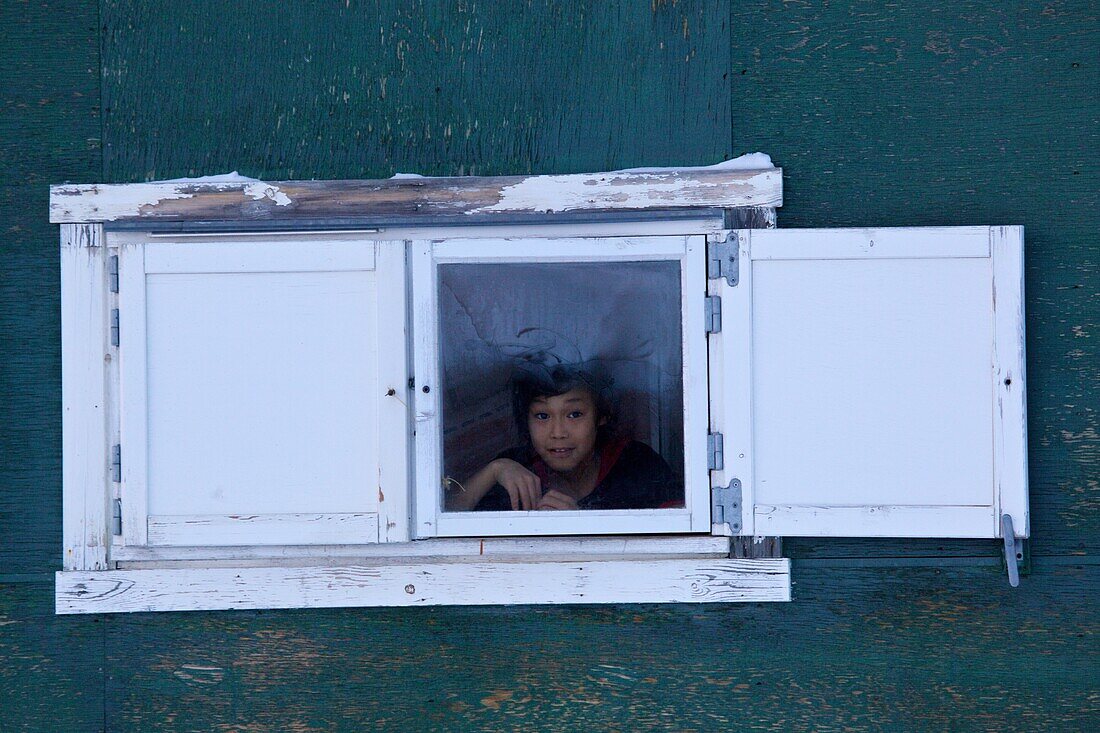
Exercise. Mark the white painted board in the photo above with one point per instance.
(419, 583)
(85, 366)
(867, 401)
(258, 376)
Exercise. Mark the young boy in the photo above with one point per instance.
(568, 459)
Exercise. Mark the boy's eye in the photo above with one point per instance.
(540, 416)
(576, 413)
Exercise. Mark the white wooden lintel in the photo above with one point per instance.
(425, 584)
(253, 201)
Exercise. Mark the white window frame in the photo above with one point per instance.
(104, 575)
(689, 254)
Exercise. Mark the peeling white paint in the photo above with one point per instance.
(618, 190)
(112, 202)
(753, 181)
(261, 190)
(254, 188)
(107, 203)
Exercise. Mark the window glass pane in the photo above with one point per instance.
(562, 385)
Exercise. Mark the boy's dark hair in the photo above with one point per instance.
(532, 381)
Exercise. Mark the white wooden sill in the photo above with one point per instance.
(459, 583)
(442, 549)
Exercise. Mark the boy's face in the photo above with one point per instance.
(563, 429)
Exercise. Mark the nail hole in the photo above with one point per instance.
(1008, 382)
(426, 389)
(390, 392)
(410, 589)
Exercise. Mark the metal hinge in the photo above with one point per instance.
(713, 314)
(715, 460)
(116, 516)
(116, 463)
(114, 327)
(722, 259)
(112, 273)
(725, 505)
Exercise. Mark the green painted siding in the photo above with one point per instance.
(881, 114)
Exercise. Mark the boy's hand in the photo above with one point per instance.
(524, 488)
(554, 499)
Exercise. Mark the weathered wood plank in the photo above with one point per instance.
(49, 131)
(84, 368)
(344, 90)
(425, 584)
(909, 649)
(30, 385)
(561, 548)
(415, 197)
(52, 676)
(993, 104)
(1009, 385)
(50, 119)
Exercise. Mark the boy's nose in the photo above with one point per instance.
(557, 428)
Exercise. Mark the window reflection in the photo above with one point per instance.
(562, 386)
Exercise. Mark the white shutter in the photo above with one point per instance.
(870, 382)
(262, 391)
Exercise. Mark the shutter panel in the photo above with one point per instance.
(870, 382)
(253, 391)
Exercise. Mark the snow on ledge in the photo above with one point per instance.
(747, 162)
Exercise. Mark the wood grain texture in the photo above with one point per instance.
(52, 677)
(467, 548)
(713, 580)
(49, 132)
(84, 378)
(30, 385)
(897, 649)
(881, 115)
(347, 90)
(417, 199)
(49, 93)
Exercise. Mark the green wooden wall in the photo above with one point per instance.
(880, 113)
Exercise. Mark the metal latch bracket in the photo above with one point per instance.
(1013, 549)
